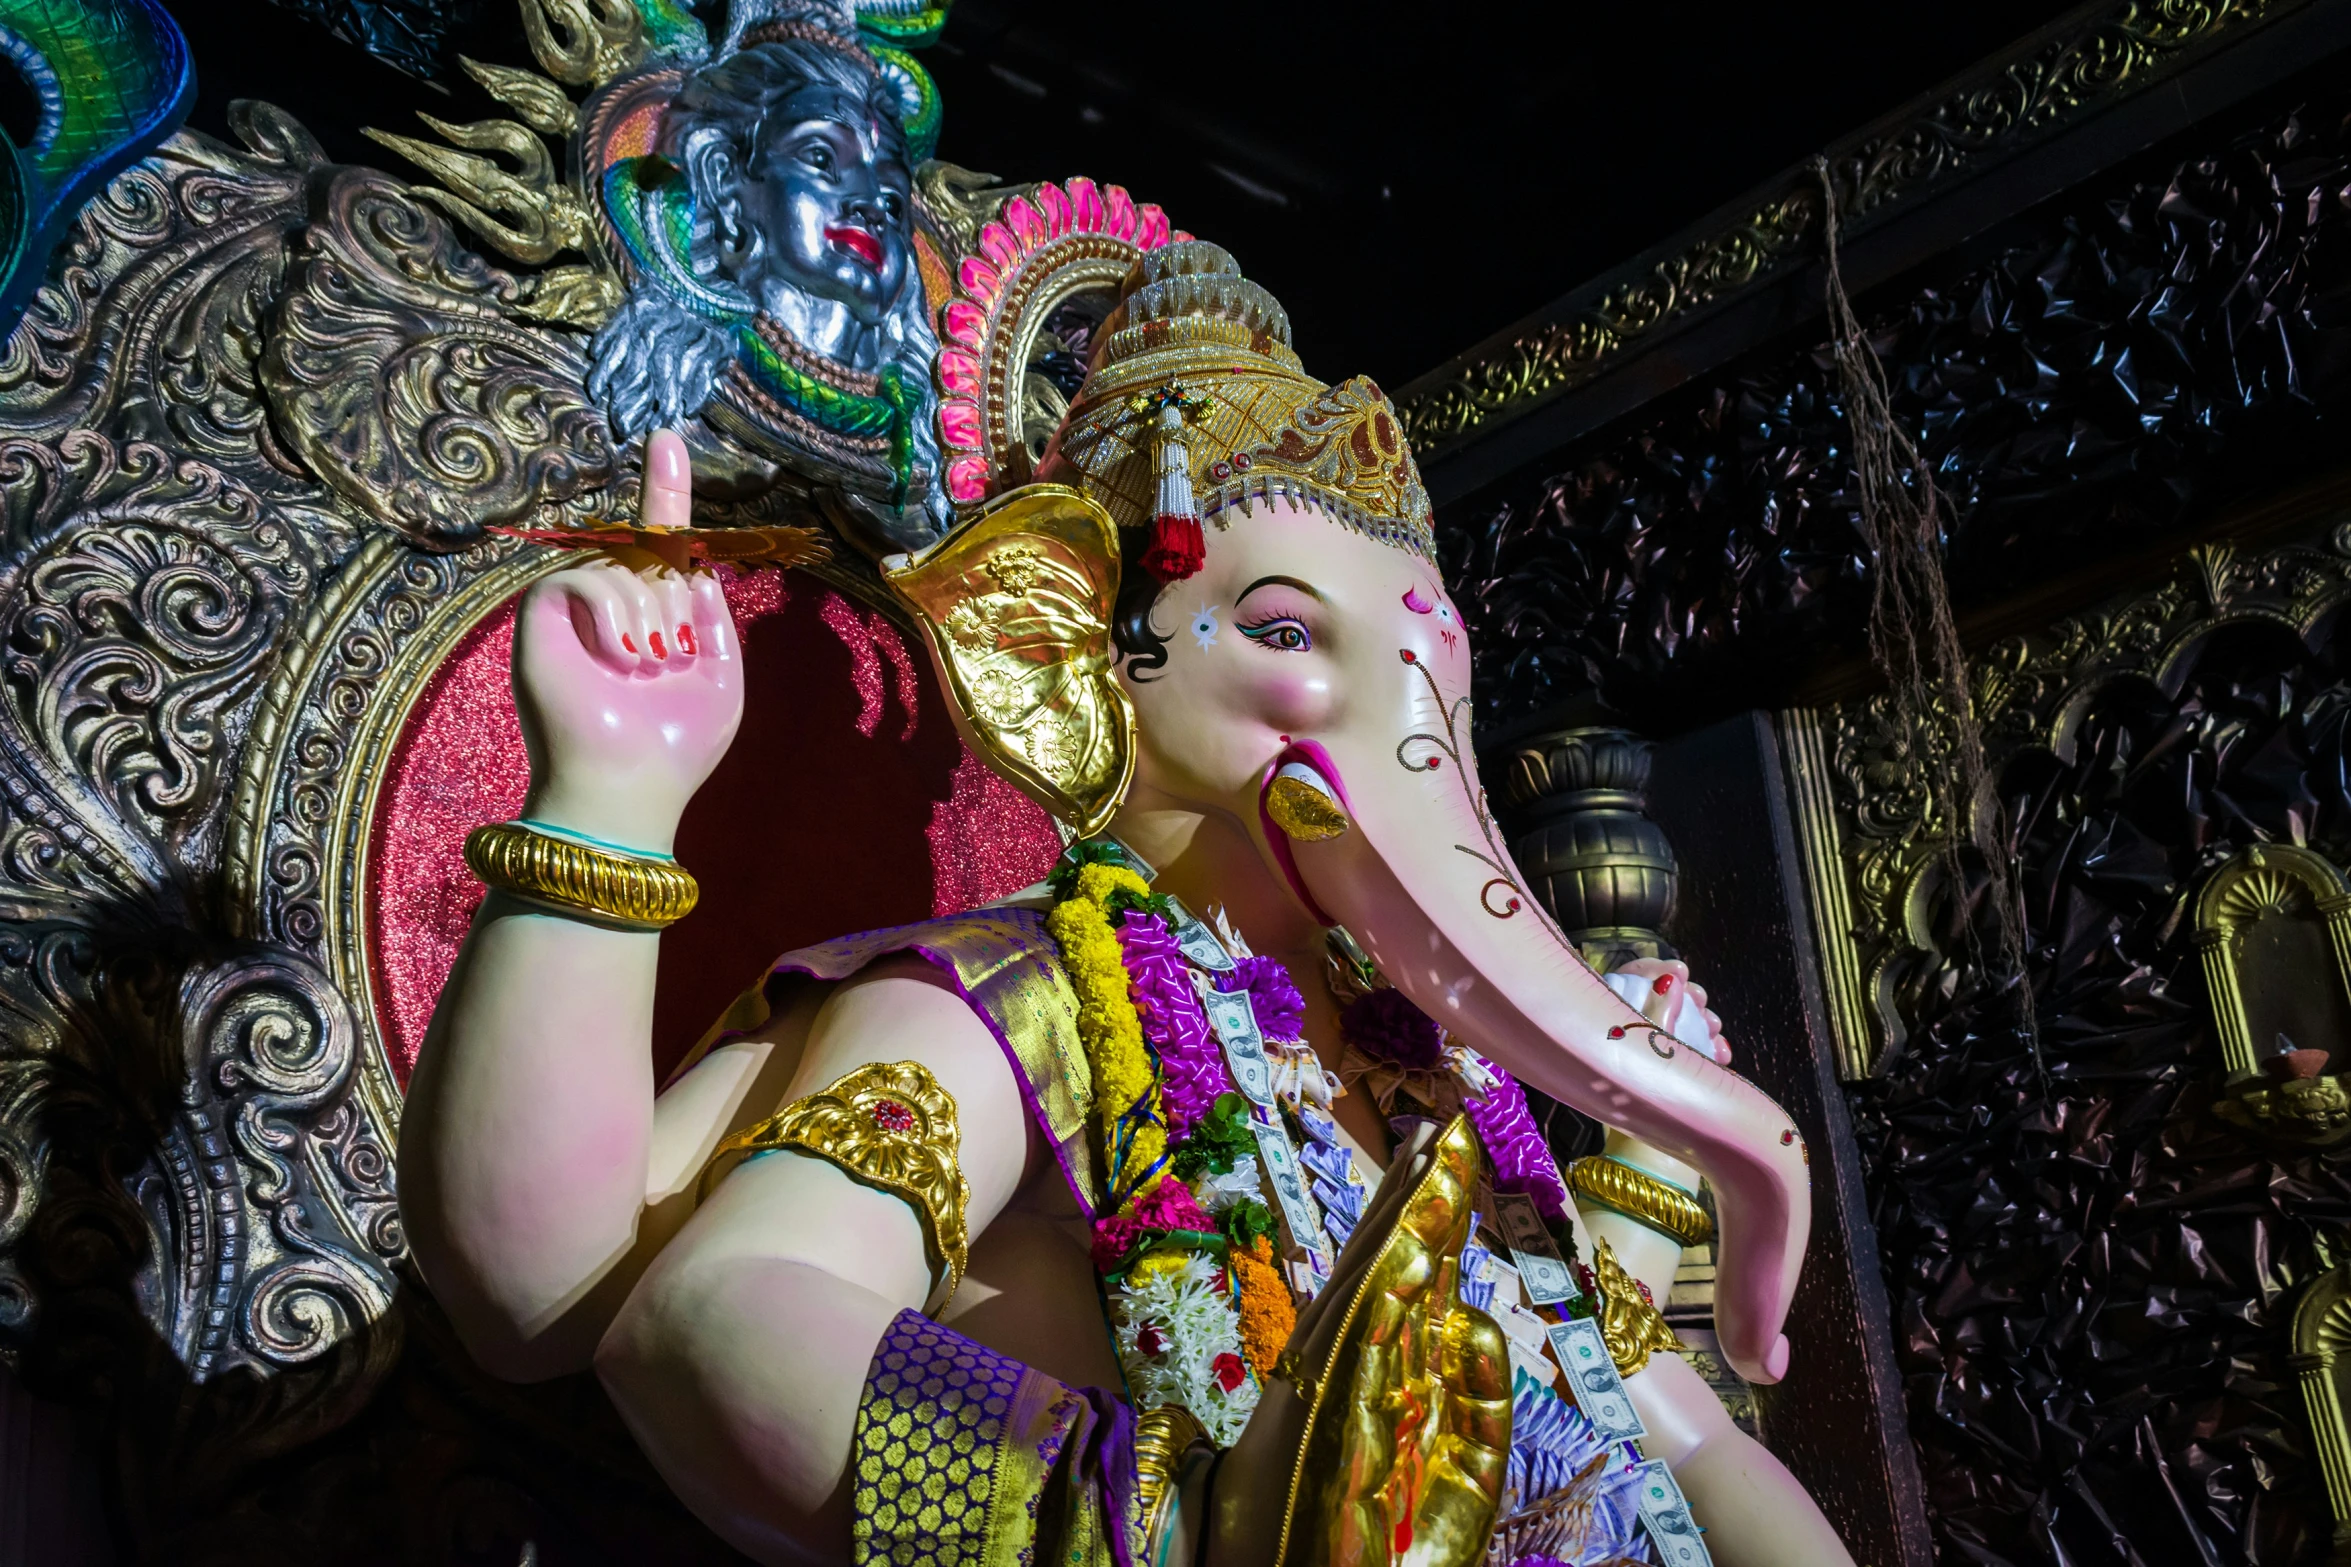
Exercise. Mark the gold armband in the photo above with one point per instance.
(630, 890)
(889, 1126)
(1640, 1196)
(1630, 1324)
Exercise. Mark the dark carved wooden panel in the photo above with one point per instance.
(2163, 337)
(1837, 1420)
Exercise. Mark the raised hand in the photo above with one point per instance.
(1680, 1004)
(629, 681)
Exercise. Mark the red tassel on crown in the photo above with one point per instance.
(1179, 546)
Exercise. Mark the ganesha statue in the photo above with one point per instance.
(1184, 1207)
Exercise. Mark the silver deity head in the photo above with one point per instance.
(790, 156)
(801, 186)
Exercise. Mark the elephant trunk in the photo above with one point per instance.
(1398, 847)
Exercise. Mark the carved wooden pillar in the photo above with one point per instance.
(1577, 798)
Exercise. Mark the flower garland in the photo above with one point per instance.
(1199, 1305)
(1126, 1080)
(1185, 1249)
(1394, 1046)
(1191, 1065)
(1180, 1343)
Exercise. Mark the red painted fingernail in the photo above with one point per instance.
(685, 639)
(659, 651)
(628, 642)
(1664, 983)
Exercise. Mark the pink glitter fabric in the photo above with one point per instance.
(1192, 1069)
(865, 661)
(459, 764)
(871, 641)
(987, 840)
(825, 817)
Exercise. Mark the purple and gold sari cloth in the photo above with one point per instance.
(1008, 970)
(965, 1458)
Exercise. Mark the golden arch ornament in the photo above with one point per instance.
(2322, 1362)
(2266, 922)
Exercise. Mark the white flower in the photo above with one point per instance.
(1217, 1193)
(1171, 1329)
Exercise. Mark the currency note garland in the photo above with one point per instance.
(1232, 1192)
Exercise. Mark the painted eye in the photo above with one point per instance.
(1444, 612)
(1290, 636)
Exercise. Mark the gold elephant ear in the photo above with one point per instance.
(1016, 606)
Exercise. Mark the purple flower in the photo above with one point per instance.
(1522, 1160)
(1386, 1026)
(1273, 996)
(1192, 1070)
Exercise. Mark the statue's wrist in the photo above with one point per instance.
(602, 819)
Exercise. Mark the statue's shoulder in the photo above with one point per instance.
(1008, 970)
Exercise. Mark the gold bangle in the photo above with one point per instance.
(1642, 1197)
(1630, 1324)
(889, 1126)
(626, 889)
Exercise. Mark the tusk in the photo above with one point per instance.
(1303, 804)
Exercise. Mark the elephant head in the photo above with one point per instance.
(1293, 712)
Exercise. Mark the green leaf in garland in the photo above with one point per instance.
(1220, 1140)
(1244, 1222)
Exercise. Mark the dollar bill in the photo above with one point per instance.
(1197, 942)
(1667, 1518)
(1591, 1371)
(1540, 1266)
(1235, 1023)
(1279, 1162)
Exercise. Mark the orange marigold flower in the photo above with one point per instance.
(1267, 1315)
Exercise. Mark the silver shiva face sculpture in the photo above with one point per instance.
(797, 262)
(820, 210)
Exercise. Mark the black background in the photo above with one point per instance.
(1407, 180)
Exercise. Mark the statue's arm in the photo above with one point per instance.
(527, 1135)
(536, 1171)
(539, 1171)
(740, 1358)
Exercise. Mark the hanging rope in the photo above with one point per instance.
(1913, 640)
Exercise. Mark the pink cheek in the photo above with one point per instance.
(1294, 703)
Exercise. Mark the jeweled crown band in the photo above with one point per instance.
(1196, 405)
(621, 889)
(1638, 1195)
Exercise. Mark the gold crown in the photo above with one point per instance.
(1196, 404)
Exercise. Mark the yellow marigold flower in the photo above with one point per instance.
(1108, 1027)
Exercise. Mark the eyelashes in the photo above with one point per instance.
(1285, 632)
